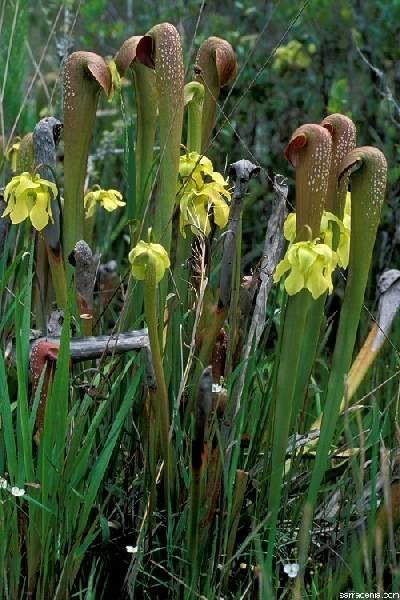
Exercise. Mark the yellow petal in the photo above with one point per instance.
(88, 199)
(347, 206)
(200, 218)
(90, 206)
(20, 211)
(117, 196)
(289, 227)
(221, 212)
(294, 282)
(10, 206)
(187, 163)
(305, 256)
(282, 267)
(39, 213)
(316, 283)
(205, 165)
(108, 202)
(10, 187)
(47, 186)
(217, 177)
(26, 183)
(343, 249)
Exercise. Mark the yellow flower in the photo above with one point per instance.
(30, 196)
(109, 199)
(192, 169)
(12, 154)
(343, 247)
(142, 254)
(200, 190)
(115, 78)
(311, 265)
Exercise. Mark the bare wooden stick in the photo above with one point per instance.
(273, 250)
(86, 265)
(46, 136)
(89, 348)
(241, 172)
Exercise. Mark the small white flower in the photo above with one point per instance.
(216, 388)
(132, 549)
(3, 483)
(16, 491)
(291, 569)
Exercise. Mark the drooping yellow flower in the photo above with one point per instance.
(30, 196)
(115, 78)
(12, 154)
(310, 265)
(343, 245)
(141, 255)
(193, 168)
(200, 191)
(108, 199)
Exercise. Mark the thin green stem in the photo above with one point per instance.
(308, 352)
(295, 320)
(159, 397)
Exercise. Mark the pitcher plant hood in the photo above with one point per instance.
(85, 75)
(215, 68)
(343, 132)
(309, 151)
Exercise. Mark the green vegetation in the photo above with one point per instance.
(196, 399)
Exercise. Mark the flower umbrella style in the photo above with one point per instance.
(30, 196)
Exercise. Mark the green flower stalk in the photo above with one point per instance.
(367, 169)
(215, 68)
(85, 75)
(147, 110)
(12, 154)
(309, 150)
(194, 100)
(160, 49)
(149, 262)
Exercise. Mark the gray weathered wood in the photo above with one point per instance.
(92, 347)
(241, 172)
(273, 249)
(46, 136)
